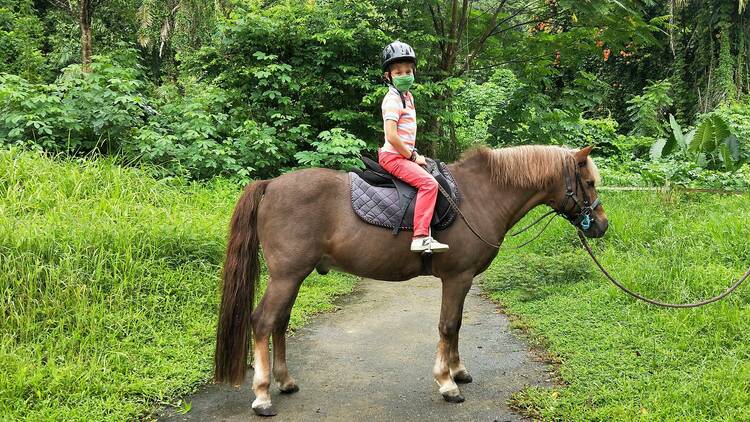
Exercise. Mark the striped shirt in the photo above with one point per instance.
(405, 118)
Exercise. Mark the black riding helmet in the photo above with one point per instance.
(398, 51)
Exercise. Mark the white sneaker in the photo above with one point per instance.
(427, 243)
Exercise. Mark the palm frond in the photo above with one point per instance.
(145, 20)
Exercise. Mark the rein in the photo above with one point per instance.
(458, 210)
(583, 221)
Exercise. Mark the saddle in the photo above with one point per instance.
(383, 200)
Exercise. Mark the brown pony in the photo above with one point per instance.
(304, 221)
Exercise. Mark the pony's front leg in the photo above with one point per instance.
(458, 370)
(451, 311)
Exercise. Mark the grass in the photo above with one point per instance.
(624, 360)
(109, 285)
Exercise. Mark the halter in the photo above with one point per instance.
(585, 207)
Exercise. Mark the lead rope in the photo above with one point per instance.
(731, 288)
(586, 246)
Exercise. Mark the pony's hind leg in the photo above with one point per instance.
(269, 317)
(451, 310)
(287, 385)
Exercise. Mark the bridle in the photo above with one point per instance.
(577, 209)
(585, 208)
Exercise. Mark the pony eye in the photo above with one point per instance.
(590, 183)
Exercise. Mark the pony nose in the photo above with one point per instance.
(603, 225)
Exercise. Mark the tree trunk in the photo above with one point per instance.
(85, 10)
(224, 7)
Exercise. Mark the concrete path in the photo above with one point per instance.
(372, 361)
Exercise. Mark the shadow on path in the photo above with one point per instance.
(372, 360)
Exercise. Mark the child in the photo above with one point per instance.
(398, 155)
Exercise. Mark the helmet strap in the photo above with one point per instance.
(389, 82)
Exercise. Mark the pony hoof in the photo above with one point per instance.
(458, 398)
(462, 377)
(265, 411)
(289, 389)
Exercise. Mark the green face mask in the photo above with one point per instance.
(403, 83)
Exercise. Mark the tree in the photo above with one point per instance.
(83, 12)
(478, 36)
(164, 23)
(711, 40)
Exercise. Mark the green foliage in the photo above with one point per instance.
(300, 67)
(712, 142)
(725, 70)
(646, 111)
(243, 89)
(110, 287)
(80, 112)
(676, 141)
(198, 134)
(511, 115)
(483, 106)
(713, 136)
(633, 147)
(620, 359)
(335, 149)
(736, 115)
(21, 40)
(168, 30)
(670, 171)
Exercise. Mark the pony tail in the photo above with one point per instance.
(240, 281)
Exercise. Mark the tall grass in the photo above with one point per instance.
(625, 360)
(109, 284)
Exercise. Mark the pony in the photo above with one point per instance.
(304, 221)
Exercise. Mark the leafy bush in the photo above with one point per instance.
(80, 112)
(21, 34)
(633, 146)
(196, 130)
(199, 135)
(504, 111)
(305, 74)
(711, 144)
(638, 172)
(481, 105)
(334, 149)
(647, 110)
(737, 118)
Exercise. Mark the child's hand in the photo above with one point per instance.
(420, 160)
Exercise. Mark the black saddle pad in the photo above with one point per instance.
(386, 201)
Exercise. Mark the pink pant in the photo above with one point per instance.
(415, 175)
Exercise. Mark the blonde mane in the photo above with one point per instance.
(528, 166)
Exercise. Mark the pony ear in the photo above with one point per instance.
(583, 153)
